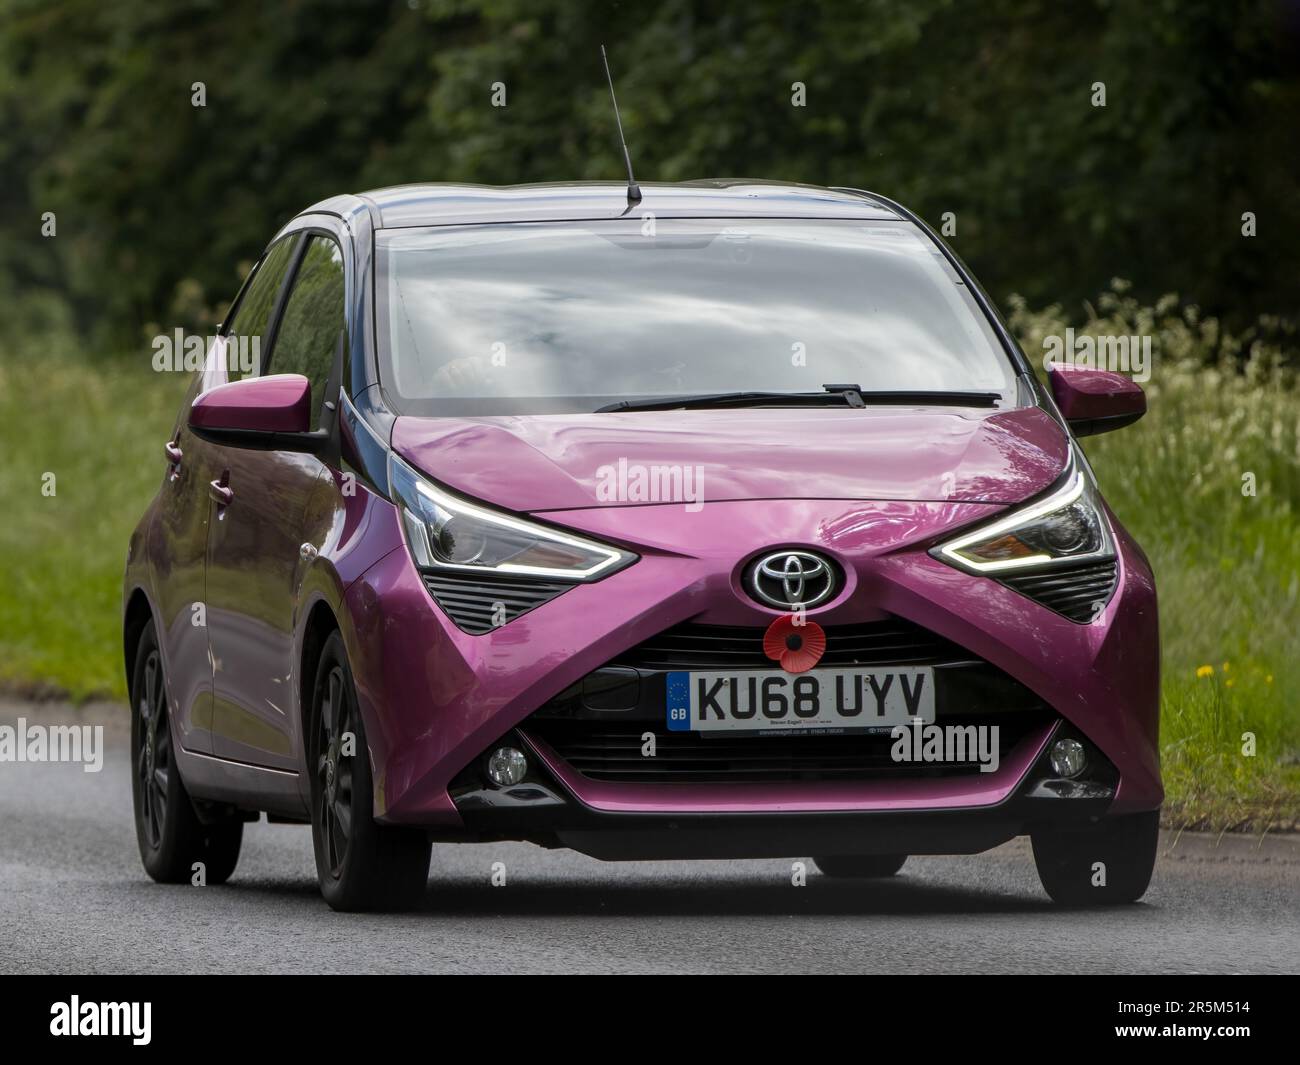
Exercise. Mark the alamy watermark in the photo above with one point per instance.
(133, 1019)
(22, 742)
(1118, 354)
(178, 352)
(922, 742)
(634, 482)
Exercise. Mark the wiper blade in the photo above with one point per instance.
(932, 399)
(727, 399)
(846, 394)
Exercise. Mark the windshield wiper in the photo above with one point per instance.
(850, 395)
(909, 397)
(726, 399)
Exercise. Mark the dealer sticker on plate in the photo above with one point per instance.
(766, 701)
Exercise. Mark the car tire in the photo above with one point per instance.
(861, 866)
(360, 864)
(172, 838)
(1068, 860)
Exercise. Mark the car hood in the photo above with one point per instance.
(569, 461)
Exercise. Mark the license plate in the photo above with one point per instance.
(761, 700)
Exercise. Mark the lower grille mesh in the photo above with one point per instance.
(612, 751)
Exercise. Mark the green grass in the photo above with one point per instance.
(100, 432)
(1227, 565)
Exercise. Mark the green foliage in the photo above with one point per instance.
(150, 190)
(983, 110)
(98, 427)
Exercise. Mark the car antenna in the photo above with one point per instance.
(633, 189)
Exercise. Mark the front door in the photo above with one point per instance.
(260, 542)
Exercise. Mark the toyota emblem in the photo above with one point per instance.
(788, 580)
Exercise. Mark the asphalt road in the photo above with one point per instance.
(74, 898)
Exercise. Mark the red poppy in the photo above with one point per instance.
(797, 647)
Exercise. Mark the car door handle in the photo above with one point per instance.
(221, 492)
(174, 456)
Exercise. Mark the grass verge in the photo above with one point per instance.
(80, 456)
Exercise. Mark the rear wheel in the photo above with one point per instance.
(1106, 864)
(861, 866)
(171, 837)
(361, 865)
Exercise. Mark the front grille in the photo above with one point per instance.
(481, 604)
(598, 725)
(1074, 592)
(612, 751)
(894, 642)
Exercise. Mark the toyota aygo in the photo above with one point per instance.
(729, 523)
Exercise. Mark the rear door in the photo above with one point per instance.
(178, 548)
(260, 544)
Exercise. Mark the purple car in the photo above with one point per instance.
(732, 523)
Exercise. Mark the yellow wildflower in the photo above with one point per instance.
(1205, 671)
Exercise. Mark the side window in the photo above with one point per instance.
(313, 318)
(247, 332)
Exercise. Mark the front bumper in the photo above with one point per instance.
(435, 698)
(904, 818)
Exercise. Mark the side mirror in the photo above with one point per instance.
(1095, 401)
(264, 413)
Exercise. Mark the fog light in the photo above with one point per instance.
(1068, 758)
(507, 766)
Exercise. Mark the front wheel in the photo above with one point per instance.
(361, 865)
(1106, 864)
(861, 866)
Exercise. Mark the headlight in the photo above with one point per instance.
(444, 531)
(1066, 526)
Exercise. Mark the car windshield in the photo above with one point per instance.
(573, 316)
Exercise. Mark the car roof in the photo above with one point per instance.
(405, 206)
